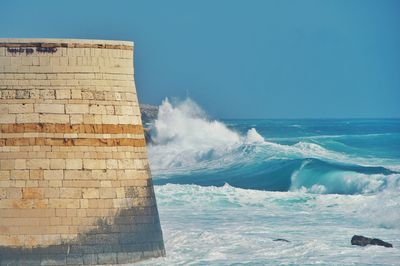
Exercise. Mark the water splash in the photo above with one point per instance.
(185, 138)
(187, 126)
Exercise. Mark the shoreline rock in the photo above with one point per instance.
(364, 241)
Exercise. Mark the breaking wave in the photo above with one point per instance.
(190, 148)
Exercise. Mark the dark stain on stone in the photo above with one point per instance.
(134, 234)
(131, 192)
(22, 94)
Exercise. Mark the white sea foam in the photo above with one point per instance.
(253, 137)
(227, 225)
(343, 182)
(339, 181)
(184, 138)
(187, 126)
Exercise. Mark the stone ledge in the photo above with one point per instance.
(111, 142)
(68, 128)
(82, 259)
(67, 43)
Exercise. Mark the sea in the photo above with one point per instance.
(274, 191)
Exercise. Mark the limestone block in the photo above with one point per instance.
(94, 164)
(50, 108)
(37, 164)
(4, 175)
(77, 108)
(20, 163)
(63, 94)
(20, 174)
(53, 118)
(27, 118)
(90, 193)
(57, 164)
(20, 108)
(7, 119)
(46, 94)
(97, 109)
(35, 174)
(3, 108)
(71, 193)
(76, 119)
(5, 60)
(73, 164)
(7, 164)
(78, 175)
(63, 204)
(53, 174)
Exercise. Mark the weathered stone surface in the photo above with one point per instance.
(106, 258)
(75, 186)
(74, 259)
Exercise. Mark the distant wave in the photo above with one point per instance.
(189, 148)
(336, 136)
(368, 208)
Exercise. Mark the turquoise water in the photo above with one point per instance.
(226, 189)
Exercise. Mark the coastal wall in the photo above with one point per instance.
(75, 185)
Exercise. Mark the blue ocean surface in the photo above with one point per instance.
(226, 189)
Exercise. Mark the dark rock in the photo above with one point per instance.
(363, 241)
(149, 114)
(281, 240)
(147, 135)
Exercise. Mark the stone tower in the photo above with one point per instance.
(75, 185)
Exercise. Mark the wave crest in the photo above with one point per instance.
(184, 138)
(188, 147)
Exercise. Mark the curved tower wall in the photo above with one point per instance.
(75, 186)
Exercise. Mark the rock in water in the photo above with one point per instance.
(363, 241)
(281, 240)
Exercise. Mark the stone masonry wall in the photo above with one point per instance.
(75, 186)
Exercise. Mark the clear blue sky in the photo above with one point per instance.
(242, 59)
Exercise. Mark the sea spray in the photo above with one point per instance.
(187, 126)
(183, 137)
(253, 137)
(190, 148)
